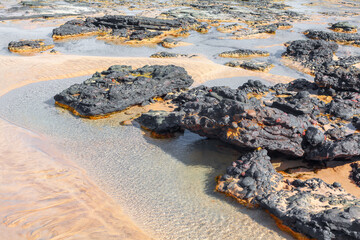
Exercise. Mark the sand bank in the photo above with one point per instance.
(19, 71)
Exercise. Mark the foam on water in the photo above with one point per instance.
(165, 186)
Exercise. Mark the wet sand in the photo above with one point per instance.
(44, 196)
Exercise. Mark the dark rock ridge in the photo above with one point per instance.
(310, 53)
(239, 53)
(120, 87)
(28, 46)
(312, 207)
(123, 27)
(296, 119)
(339, 37)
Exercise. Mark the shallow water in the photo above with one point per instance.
(165, 186)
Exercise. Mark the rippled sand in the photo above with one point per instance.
(44, 197)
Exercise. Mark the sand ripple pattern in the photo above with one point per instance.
(44, 197)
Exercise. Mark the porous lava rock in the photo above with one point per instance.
(314, 208)
(120, 87)
(294, 118)
(310, 53)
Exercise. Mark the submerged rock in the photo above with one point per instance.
(251, 65)
(120, 87)
(312, 207)
(241, 53)
(28, 46)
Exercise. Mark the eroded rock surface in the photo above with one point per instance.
(125, 28)
(296, 119)
(314, 208)
(120, 87)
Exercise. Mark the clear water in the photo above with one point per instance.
(165, 186)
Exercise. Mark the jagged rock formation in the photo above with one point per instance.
(28, 46)
(295, 119)
(120, 87)
(126, 28)
(312, 207)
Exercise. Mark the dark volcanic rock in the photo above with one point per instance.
(299, 104)
(297, 124)
(239, 53)
(160, 121)
(120, 87)
(229, 115)
(339, 78)
(311, 53)
(312, 207)
(347, 38)
(130, 27)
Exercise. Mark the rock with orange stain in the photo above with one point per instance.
(126, 28)
(308, 209)
(28, 46)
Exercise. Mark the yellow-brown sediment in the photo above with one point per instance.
(285, 27)
(76, 113)
(253, 36)
(324, 98)
(74, 36)
(281, 226)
